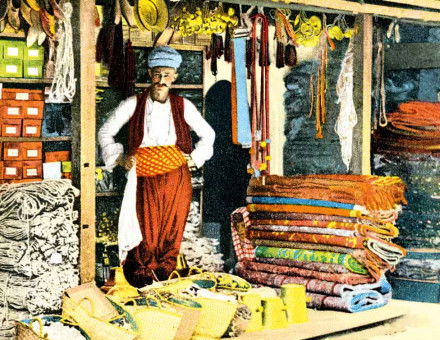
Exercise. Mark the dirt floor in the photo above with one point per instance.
(422, 322)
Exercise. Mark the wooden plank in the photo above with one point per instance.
(323, 323)
(36, 139)
(350, 7)
(83, 127)
(412, 56)
(434, 4)
(26, 80)
(367, 32)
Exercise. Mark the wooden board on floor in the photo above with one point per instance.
(323, 323)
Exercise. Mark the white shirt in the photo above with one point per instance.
(159, 129)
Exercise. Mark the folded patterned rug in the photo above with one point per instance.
(327, 295)
(386, 230)
(304, 209)
(372, 192)
(347, 278)
(346, 260)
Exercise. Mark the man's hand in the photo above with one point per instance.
(191, 165)
(127, 162)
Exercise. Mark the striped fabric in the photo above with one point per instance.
(158, 160)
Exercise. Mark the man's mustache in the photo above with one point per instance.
(160, 85)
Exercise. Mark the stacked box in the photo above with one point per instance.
(21, 112)
(17, 60)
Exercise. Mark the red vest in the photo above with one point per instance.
(136, 133)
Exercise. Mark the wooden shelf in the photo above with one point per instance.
(109, 194)
(36, 139)
(103, 83)
(26, 80)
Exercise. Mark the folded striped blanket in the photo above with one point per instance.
(305, 255)
(349, 298)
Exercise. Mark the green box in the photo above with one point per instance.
(11, 68)
(34, 52)
(33, 69)
(13, 49)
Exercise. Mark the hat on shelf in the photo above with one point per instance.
(151, 15)
(164, 56)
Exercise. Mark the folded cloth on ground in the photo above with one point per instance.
(302, 201)
(419, 269)
(305, 255)
(242, 245)
(386, 230)
(348, 278)
(351, 300)
(306, 209)
(372, 192)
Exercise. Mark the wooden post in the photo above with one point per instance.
(83, 131)
(363, 59)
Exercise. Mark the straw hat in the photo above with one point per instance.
(151, 15)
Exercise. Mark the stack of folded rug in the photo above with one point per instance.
(413, 128)
(331, 233)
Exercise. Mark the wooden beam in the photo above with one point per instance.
(367, 37)
(83, 127)
(434, 4)
(412, 56)
(351, 7)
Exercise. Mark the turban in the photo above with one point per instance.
(164, 56)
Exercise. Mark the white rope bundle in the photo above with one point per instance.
(63, 85)
(58, 331)
(199, 251)
(347, 118)
(42, 265)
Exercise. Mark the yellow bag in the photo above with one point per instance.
(215, 317)
(98, 329)
(154, 322)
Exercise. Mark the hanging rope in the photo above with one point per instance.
(260, 150)
(63, 85)
(347, 118)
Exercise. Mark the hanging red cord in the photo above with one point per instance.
(260, 150)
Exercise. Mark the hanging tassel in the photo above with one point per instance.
(228, 46)
(130, 70)
(280, 55)
(290, 56)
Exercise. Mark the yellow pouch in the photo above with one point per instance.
(154, 322)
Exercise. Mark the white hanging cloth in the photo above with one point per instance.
(347, 118)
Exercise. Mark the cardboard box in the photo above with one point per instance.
(11, 127)
(12, 152)
(31, 128)
(52, 170)
(11, 68)
(22, 94)
(56, 156)
(13, 49)
(32, 109)
(32, 169)
(34, 52)
(31, 151)
(11, 109)
(32, 69)
(12, 169)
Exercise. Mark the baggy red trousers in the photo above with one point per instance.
(162, 205)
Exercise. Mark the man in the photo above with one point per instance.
(158, 193)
